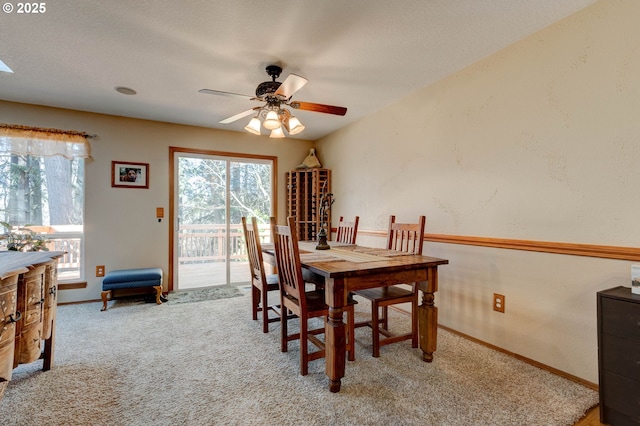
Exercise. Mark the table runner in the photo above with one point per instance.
(351, 253)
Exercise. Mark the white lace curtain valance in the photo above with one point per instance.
(21, 140)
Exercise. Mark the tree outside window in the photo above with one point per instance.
(45, 195)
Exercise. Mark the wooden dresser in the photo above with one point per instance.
(619, 356)
(28, 300)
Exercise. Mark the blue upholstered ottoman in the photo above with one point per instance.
(131, 278)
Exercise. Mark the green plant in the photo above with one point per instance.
(23, 238)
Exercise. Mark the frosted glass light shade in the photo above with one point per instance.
(277, 133)
(271, 121)
(295, 126)
(253, 126)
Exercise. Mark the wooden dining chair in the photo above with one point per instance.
(347, 231)
(261, 282)
(405, 238)
(303, 303)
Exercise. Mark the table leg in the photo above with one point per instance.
(335, 334)
(428, 315)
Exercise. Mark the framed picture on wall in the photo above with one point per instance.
(129, 175)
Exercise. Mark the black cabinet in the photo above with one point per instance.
(619, 356)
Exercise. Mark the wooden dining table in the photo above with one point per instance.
(346, 268)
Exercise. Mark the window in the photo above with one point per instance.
(42, 195)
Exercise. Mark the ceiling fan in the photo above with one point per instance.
(275, 95)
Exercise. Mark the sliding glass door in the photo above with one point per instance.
(211, 194)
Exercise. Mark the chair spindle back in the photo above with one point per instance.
(288, 260)
(347, 231)
(254, 249)
(406, 237)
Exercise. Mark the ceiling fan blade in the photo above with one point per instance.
(291, 85)
(239, 116)
(310, 106)
(219, 93)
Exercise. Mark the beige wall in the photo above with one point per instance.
(540, 141)
(121, 230)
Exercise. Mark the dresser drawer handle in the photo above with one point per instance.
(17, 318)
(53, 290)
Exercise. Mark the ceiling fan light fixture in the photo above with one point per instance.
(274, 95)
(294, 126)
(253, 126)
(277, 133)
(271, 121)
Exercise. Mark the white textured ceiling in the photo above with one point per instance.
(360, 54)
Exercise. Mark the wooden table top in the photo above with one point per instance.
(344, 260)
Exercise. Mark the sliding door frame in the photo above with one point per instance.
(173, 151)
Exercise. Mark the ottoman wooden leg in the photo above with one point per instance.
(104, 299)
(158, 294)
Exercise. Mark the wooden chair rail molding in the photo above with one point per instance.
(590, 250)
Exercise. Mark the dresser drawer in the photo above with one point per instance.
(621, 356)
(8, 304)
(615, 418)
(620, 318)
(621, 394)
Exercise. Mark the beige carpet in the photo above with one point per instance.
(208, 363)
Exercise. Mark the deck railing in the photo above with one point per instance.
(196, 244)
(69, 264)
(68, 239)
(208, 242)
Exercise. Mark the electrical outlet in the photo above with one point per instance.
(498, 302)
(100, 271)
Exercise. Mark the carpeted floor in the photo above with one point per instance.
(208, 363)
